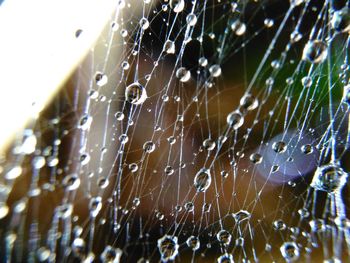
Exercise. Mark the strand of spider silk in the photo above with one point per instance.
(269, 49)
(187, 34)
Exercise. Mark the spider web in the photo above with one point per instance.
(193, 131)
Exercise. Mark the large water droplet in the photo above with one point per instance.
(290, 251)
(193, 243)
(341, 20)
(329, 178)
(202, 180)
(235, 119)
(135, 93)
(168, 247)
(183, 74)
(315, 51)
(177, 5)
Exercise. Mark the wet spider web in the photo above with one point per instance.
(193, 131)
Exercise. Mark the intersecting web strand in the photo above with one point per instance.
(194, 131)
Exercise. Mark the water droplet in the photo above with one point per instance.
(191, 19)
(111, 254)
(224, 237)
(149, 146)
(169, 170)
(203, 62)
(341, 20)
(189, 207)
(71, 182)
(268, 22)
(4, 209)
(123, 138)
(65, 211)
(225, 258)
(38, 162)
(329, 178)
(238, 27)
(183, 74)
(279, 225)
(290, 251)
(169, 47)
(215, 70)
(168, 247)
(307, 149)
(102, 182)
(202, 180)
(119, 115)
(315, 51)
(306, 82)
(304, 212)
(249, 102)
(101, 79)
(171, 139)
(133, 167)
(13, 173)
(209, 144)
(193, 243)
(144, 23)
(95, 206)
(241, 215)
(279, 147)
(85, 122)
(84, 159)
(206, 208)
(256, 158)
(135, 93)
(296, 2)
(43, 254)
(235, 119)
(295, 36)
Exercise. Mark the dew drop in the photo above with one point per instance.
(168, 247)
(203, 62)
(341, 20)
(133, 167)
(241, 215)
(169, 47)
(209, 144)
(169, 170)
(95, 206)
(4, 209)
(307, 148)
(329, 178)
(235, 119)
(177, 5)
(290, 251)
(238, 27)
(111, 254)
(202, 180)
(225, 258)
(249, 102)
(183, 74)
(256, 158)
(149, 146)
(101, 79)
(215, 70)
(135, 93)
(71, 182)
(279, 225)
(279, 147)
(144, 23)
(193, 243)
(315, 51)
(191, 19)
(224, 237)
